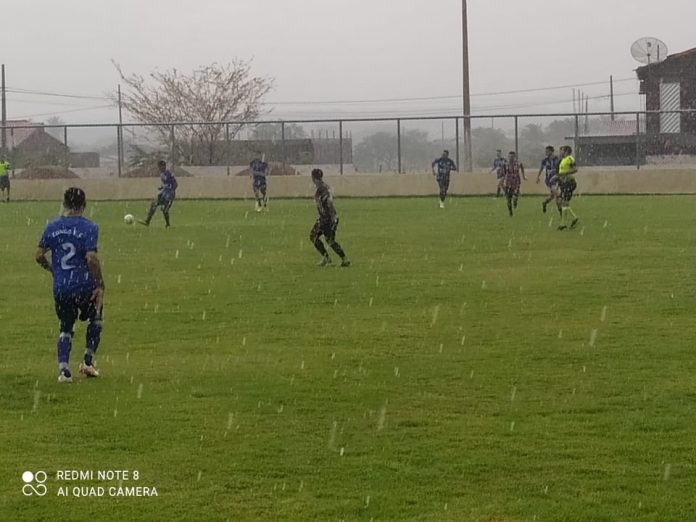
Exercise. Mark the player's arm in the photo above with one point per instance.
(95, 271)
(573, 169)
(432, 165)
(541, 169)
(42, 260)
(524, 177)
(453, 165)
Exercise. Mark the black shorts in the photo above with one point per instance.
(165, 201)
(443, 181)
(567, 188)
(71, 307)
(4, 182)
(324, 228)
(260, 183)
(512, 190)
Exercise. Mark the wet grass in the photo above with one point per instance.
(467, 367)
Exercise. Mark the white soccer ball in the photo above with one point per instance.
(129, 219)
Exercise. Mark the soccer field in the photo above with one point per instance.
(468, 366)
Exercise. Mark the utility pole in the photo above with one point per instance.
(611, 96)
(466, 95)
(3, 143)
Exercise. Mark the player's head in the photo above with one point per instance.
(74, 199)
(512, 154)
(317, 175)
(499, 153)
(549, 150)
(445, 153)
(162, 165)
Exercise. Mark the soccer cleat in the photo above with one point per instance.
(562, 227)
(144, 223)
(265, 208)
(325, 261)
(574, 223)
(65, 376)
(543, 206)
(442, 204)
(345, 263)
(88, 370)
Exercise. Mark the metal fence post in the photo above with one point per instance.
(119, 149)
(638, 140)
(517, 137)
(398, 145)
(282, 139)
(66, 152)
(456, 142)
(340, 146)
(172, 147)
(227, 147)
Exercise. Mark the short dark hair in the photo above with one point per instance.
(569, 149)
(161, 163)
(445, 151)
(550, 147)
(512, 152)
(317, 174)
(74, 198)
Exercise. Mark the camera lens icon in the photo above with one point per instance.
(29, 488)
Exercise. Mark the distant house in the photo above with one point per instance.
(30, 145)
(670, 85)
(606, 142)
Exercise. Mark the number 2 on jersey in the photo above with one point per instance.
(68, 256)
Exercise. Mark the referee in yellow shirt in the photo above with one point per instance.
(566, 187)
(5, 177)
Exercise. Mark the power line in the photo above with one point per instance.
(95, 107)
(427, 98)
(17, 90)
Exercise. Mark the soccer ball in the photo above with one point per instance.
(129, 219)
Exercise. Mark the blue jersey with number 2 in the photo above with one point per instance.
(69, 238)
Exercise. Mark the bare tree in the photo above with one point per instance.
(56, 132)
(211, 93)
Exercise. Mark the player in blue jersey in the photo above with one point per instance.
(78, 285)
(499, 169)
(549, 166)
(444, 166)
(165, 197)
(258, 169)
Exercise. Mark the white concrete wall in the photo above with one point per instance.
(364, 185)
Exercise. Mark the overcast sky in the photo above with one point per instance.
(326, 50)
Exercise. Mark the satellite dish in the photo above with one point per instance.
(649, 50)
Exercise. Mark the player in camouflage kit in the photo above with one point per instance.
(327, 223)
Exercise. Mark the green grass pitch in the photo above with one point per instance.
(467, 367)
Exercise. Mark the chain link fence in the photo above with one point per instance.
(345, 146)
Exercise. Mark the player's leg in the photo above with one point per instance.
(150, 212)
(66, 310)
(330, 234)
(572, 185)
(516, 196)
(93, 335)
(259, 197)
(509, 192)
(166, 205)
(315, 238)
(264, 195)
(444, 188)
(499, 189)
